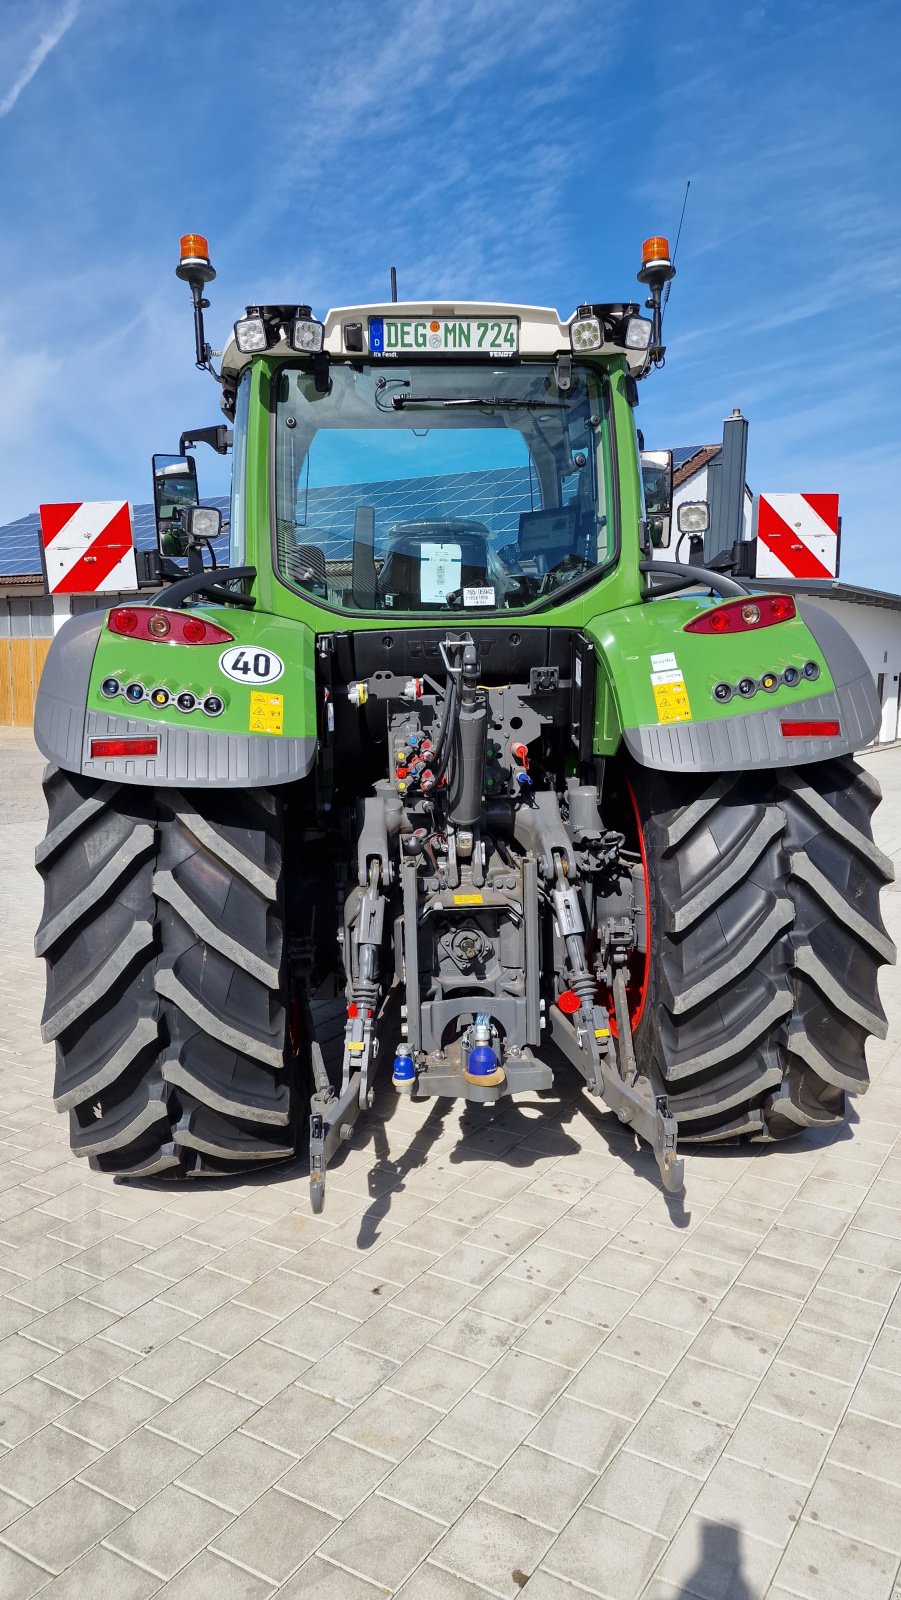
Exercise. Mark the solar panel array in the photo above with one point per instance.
(325, 517)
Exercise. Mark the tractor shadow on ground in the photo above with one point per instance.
(516, 1134)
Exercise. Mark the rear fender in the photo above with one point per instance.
(265, 734)
(655, 690)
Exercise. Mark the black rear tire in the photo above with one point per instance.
(163, 931)
(765, 940)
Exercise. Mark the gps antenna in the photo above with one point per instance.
(394, 286)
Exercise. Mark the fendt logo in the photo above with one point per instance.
(797, 536)
(86, 547)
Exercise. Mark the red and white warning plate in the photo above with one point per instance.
(797, 536)
(87, 548)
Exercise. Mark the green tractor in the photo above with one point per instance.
(444, 771)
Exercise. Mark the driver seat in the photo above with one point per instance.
(401, 574)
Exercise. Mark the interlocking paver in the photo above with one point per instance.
(64, 1525)
(437, 1481)
(525, 1485)
(211, 1577)
(275, 1535)
(33, 1469)
(778, 1444)
(821, 1564)
(336, 1476)
(168, 1531)
(235, 1471)
(605, 1556)
(102, 1575)
(138, 1468)
(19, 1579)
(108, 1415)
(383, 1541)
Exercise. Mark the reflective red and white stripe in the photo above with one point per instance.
(87, 547)
(797, 536)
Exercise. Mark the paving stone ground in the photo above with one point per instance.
(500, 1364)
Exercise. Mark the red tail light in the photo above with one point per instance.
(124, 747)
(165, 627)
(739, 616)
(811, 730)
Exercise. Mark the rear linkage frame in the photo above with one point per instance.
(458, 852)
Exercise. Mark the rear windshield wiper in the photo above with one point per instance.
(498, 403)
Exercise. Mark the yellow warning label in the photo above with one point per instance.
(469, 900)
(355, 1044)
(267, 712)
(671, 699)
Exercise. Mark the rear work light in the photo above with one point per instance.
(124, 747)
(165, 627)
(739, 616)
(811, 730)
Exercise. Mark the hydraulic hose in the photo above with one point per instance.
(441, 757)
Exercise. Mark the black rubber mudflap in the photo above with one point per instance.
(163, 932)
(766, 941)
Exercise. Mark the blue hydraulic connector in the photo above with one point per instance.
(404, 1073)
(482, 1066)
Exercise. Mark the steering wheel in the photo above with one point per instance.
(570, 563)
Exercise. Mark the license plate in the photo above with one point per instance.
(444, 336)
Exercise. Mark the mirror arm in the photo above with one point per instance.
(673, 575)
(215, 588)
(219, 438)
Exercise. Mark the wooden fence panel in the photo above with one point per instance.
(6, 698)
(22, 683)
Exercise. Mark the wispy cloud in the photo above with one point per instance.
(47, 41)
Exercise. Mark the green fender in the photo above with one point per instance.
(655, 690)
(264, 677)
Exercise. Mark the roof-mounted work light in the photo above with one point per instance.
(586, 333)
(251, 333)
(195, 269)
(307, 335)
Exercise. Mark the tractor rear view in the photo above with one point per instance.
(442, 774)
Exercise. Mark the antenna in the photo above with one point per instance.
(394, 286)
(678, 237)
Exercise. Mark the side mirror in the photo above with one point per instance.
(657, 482)
(174, 493)
(693, 516)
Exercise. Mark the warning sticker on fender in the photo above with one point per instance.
(670, 696)
(267, 712)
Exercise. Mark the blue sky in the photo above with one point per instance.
(497, 149)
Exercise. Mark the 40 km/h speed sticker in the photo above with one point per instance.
(244, 664)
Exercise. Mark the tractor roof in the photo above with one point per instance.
(540, 331)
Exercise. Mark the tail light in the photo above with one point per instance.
(124, 747)
(811, 730)
(740, 616)
(165, 627)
